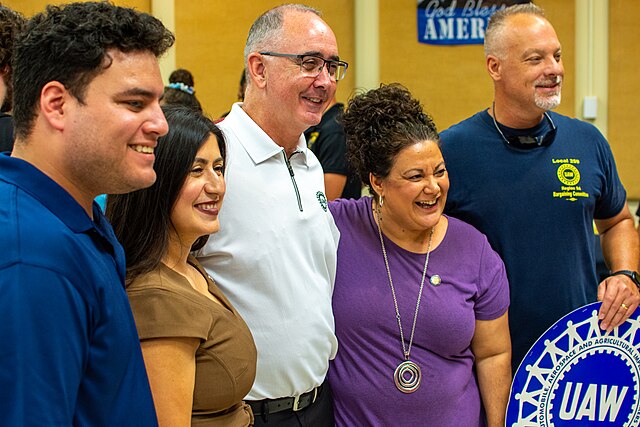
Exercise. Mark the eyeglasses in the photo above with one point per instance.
(527, 141)
(312, 65)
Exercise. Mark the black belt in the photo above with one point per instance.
(270, 406)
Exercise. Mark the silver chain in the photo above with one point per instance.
(405, 350)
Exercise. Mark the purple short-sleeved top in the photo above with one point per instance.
(474, 287)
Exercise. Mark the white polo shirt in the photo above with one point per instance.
(275, 257)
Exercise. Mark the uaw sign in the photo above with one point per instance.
(578, 375)
(445, 22)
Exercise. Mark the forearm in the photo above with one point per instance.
(171, 369)
(334, 184)
(621, 250)
(620, 245)
(638, 266)
(494, 381)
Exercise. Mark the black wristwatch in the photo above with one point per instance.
(633, 275)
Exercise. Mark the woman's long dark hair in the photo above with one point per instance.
(142, 219)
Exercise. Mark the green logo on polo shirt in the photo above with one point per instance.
(322, 199)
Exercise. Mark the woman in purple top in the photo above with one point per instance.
(420, 299)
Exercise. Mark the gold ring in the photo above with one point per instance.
(623, 305)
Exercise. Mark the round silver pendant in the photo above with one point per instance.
(407, 376)
(435, 280)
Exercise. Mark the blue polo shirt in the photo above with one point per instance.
(69, 350)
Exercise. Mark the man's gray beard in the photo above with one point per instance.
(548, 102)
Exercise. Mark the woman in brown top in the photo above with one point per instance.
(199, 353)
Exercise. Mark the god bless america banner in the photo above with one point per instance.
(447, 22)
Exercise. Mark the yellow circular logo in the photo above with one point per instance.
(568, 174)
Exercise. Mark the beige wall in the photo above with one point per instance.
(624, 90)
(29, 7)
(210, 38)
(451, 81)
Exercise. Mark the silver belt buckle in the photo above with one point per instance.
(296, 402)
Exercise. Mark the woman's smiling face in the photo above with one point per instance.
(195, 212)
(415, 191)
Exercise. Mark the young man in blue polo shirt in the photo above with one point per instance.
(87, 118)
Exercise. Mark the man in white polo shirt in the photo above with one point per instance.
(275, 256)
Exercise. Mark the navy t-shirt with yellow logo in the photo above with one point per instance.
(536, 206)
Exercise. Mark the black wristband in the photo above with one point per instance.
(634, 276)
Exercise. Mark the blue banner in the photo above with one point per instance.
(449, 22)
(579, 375)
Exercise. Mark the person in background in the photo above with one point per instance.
(199, 353)
(180, 90)
(534, 181)
(328, 143)
(242, 86)
(275, 257)
(87, 118)
(420, 299)
(11, 24)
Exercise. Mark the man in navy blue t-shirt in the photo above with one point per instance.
(87, 117)
(534, 182)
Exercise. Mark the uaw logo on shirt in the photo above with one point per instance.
(569, 177)
(322, 199)
(579, 375)
(312, 138)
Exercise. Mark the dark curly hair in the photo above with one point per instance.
(141, 220)
(180, 95)
(379, 124)
(11, 24)
(70, 44)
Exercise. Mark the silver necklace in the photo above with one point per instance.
(407, 375)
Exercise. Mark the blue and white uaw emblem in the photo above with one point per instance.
(578, 375)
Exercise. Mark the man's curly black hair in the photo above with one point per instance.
(11, 24)
(379, 124)
(70, 44)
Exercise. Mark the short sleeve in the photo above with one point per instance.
(614, 195)
(45, 323)
(160, 312)
(337, 208)
(493, 292)
(332, 153)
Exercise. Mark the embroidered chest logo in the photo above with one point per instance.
(568, 174)
(322, 199)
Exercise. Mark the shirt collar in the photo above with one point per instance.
(255, 141)
(33, 181)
